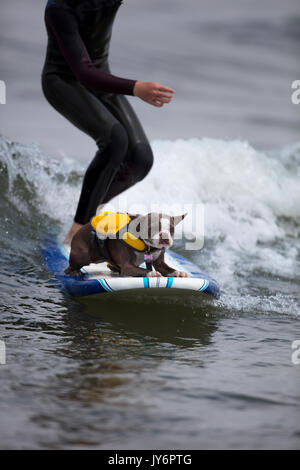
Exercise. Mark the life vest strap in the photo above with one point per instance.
(102, 248)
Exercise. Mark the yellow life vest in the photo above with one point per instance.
(116, 224)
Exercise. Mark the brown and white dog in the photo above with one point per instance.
(155, 230)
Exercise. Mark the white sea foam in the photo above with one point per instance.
(251, 201)
(245, 194)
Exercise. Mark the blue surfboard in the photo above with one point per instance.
(98, 279)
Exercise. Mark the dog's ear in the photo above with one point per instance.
(178, 218)
(134, 216)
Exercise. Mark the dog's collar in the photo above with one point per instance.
(148, 256)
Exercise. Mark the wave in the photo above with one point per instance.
(251, 200)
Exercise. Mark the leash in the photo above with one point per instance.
(148, 258)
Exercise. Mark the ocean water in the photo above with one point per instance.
(182, 372)
(185, 372)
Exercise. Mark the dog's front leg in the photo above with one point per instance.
(136, 271)
(161, 266)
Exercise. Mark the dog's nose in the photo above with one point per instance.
(164, 237)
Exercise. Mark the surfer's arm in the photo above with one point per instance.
(63, 25)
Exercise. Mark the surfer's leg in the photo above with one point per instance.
(139, 157)
(100, 173)
(91, 116)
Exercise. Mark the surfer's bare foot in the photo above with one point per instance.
(74, 229)
(178, 274)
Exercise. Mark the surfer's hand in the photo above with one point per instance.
(153, 93)
(154, 274)
(178, 274)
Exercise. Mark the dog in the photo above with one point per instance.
(125, 241)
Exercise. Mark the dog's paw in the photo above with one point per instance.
(71, 272)
(178, 274)
(154, 274)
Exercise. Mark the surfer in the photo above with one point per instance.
(78, 83)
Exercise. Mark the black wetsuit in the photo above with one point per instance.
(77, 82)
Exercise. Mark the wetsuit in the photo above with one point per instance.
(77, 82)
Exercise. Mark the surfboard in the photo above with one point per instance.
(98, 279)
